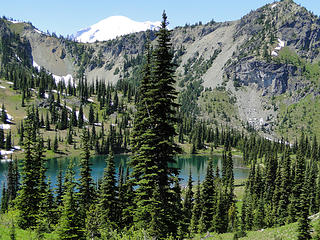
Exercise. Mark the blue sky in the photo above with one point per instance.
(67, 16)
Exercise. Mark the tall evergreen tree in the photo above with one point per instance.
(55, 144)
(153, 133)
(8, 144)
(220, 221)
(91, 114)
(298, 182)
(304, 227)
(188, 202)
(4, 199)
(4, 116)
(28, 198)
(196, 210)
(126, 215)
(80, 117)
(69, 226)
(107, 201)
(47, 122)
(59, 187)
(1, 138)
(208, 199)
(63, 118)
(86, 186)
(285, 189)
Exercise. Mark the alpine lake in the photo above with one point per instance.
(196, 163)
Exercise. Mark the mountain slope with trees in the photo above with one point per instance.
(266, 62)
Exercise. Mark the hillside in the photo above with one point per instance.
(265, 65)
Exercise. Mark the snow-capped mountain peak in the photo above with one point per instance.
(112, 27)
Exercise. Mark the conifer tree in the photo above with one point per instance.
(47, 216)
(49, 144)
(188, 201)
(29, 195)
(70, 135)
(86, 186)
(126, 216)
(259, 215)
(4, 116)
(69, 226)
(63, 118)
(23, 98)
(8, 145)
(298, 182)
(16, 177)
(73, 117)
(59, 187)
(55, 144)
(11, 189)
(107, 195)
(157, 226)
(12, 232)
(285, 189)
(304, 227)
(152, 138)
(196, 210)
(4, 199)
(47, 123)
(229, 181)
(91, 114)
(80, 117)
(208, 198)
(220, 222)
(1, 138)
(178, 227)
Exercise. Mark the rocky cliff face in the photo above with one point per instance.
(272, 78)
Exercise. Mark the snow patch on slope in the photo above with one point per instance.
(15, 21)
(5, 126)
(34, 64)
(113, 27)
(66, 79)
(281, 45)
(38, 31)
(9, 117)
(57, 78)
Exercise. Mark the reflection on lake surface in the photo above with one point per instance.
(196, 163)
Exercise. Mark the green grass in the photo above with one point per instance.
(302, 116)
(220, 106)
(6, 222)
(286, 232)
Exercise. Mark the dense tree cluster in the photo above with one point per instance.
(282, 187)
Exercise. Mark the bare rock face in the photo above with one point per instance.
(272, 77)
